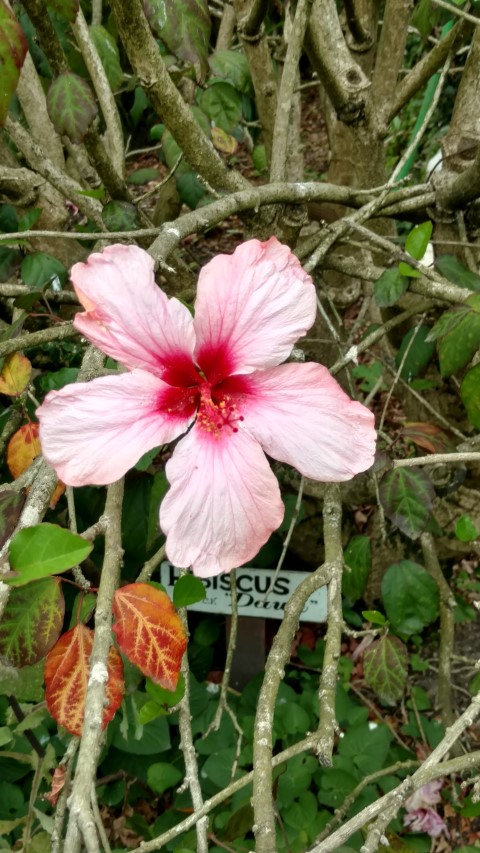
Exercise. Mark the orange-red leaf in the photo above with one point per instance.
(23, 447)
(66, 678)
(15, 374)
(149, 632)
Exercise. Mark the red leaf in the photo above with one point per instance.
(149, 632)
(66, 677)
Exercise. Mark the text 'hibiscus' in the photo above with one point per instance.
(216, 379)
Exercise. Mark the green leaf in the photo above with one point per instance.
(161, 776)
(190, 189)
(156, 132)
(223, 104)
(171, 153)
(366, 748)
(408, 271)
(143, 176)
(188, 590)
(259, 157)
(232, 66)
(108, 52)
(418, 239)
(390, 287)
(410, 597)
(39, 269)
(26, 683)
(406, 495)
(58, 379)
(419, 353)
(11, 505)
(29, 219)
(374, 616)
(458, 335)
(454, 270)
(9, 260)
(218, 767)
(13, 49)
(358, 562)
(120, 216)
(386, 665)
(32, 622)
(43, 550)
(163, 697)
(9, 221)
(425, 18)
(470, 394)
(465, 529)
(71, 106)
(66, 8)
(184, 26)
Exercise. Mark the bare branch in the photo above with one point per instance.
(82, 819)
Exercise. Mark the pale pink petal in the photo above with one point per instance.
(426, 820)
(129, 318)
(251, 307)
(93, 432)
(301, 416)
(223, 502)
(428, 795)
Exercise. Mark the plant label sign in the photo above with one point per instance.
(252, 585)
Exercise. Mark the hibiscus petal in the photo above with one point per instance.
(223, 503)
(128, 317)
(301, 416)
(93, 432)
(251, 307)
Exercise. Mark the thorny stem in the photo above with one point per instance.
(81, 822)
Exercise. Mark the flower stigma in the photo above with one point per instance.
(213, 416)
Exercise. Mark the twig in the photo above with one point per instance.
(61, 807)
(332, 534)
(103, 91)
(81, 819)
(456, 765)
(151, 564)
(62, 182)
(455, 10)
(187, 747)
(264, 825)
(35, 339)
(447, 629)
(436, 458)
(350, 799)
(397, 375)
(387, 806)
(285, 93)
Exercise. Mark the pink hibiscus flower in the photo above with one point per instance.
(216, 379)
